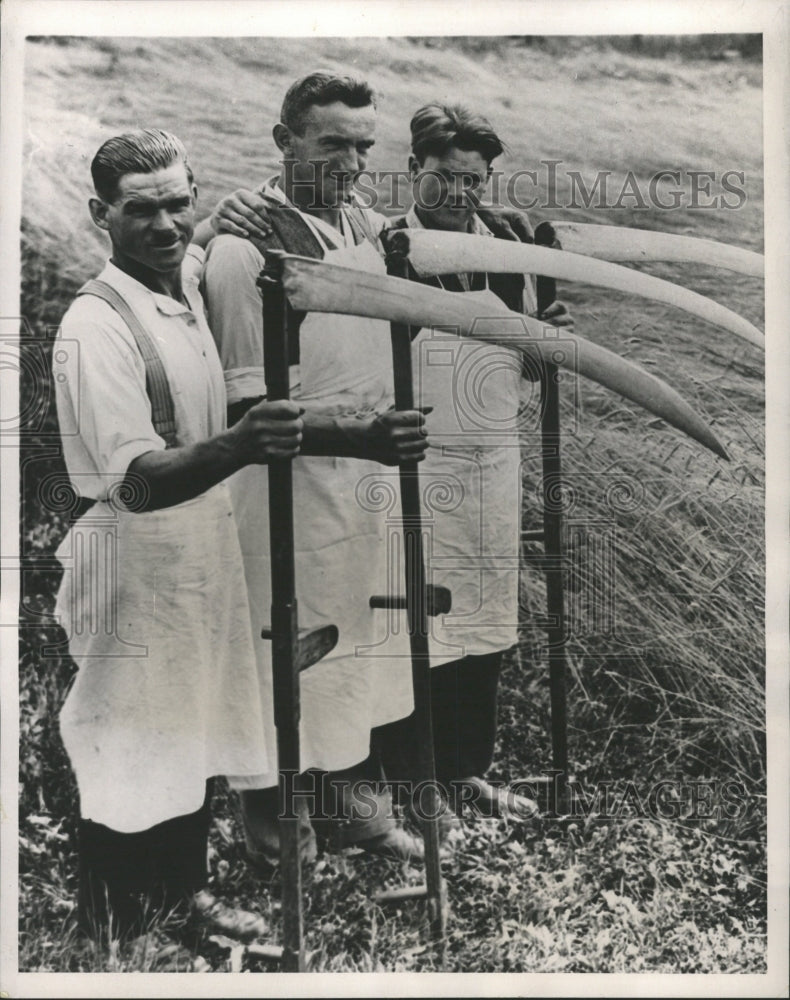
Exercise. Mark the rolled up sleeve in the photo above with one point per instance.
(235, 316)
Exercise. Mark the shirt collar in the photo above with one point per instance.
(270, 190)
(479, 228)
(136, 293)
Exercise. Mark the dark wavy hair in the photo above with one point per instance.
(322, 88)
(435, 128)
(138, 152)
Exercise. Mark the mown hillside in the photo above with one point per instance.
(592, 109)
(666, 656)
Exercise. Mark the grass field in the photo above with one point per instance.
(671, 690)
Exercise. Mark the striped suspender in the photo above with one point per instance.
(156, 383)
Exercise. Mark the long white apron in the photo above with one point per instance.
(344, 539)
(167, 693)
(471, 485)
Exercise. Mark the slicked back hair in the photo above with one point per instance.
(435, 128)
(322, 88)
(140, 152)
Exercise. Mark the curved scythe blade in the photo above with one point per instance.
(314, 286)
(433, 252)
(624, 243)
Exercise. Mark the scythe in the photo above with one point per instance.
(314, 286)
(431, 251)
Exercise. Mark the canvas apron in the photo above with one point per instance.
(166, 693)
(471, 486)
(346, 513)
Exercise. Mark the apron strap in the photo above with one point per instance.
(156, 383)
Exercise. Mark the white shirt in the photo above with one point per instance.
(237, 263)
(102, 392)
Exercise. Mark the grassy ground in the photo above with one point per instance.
(666, 657)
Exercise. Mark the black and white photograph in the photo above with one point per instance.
(394, 499)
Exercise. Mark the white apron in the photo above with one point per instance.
(167, 693)
(471, 485)
(341, 548)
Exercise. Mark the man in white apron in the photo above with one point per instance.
(343, 379)
(153, 597)
(476, 390)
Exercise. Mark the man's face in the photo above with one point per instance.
(151, 218)
(448, 188)
(331, 152)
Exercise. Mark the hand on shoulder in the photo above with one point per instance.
(242, 213)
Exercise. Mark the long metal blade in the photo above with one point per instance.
(314, 286)
(624, 243)
(433, 252)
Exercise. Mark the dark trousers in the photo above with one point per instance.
(464, 715)
(128, 878)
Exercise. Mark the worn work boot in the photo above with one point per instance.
(494, 801)
(396, 844)
(219, 918)
(259, 815)
(369, 824)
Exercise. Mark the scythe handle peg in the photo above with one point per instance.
(401, 894)
(396, 251)
(439, 601)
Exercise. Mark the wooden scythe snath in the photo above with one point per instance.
(421, 601)
(551, 486)
(292, 650)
